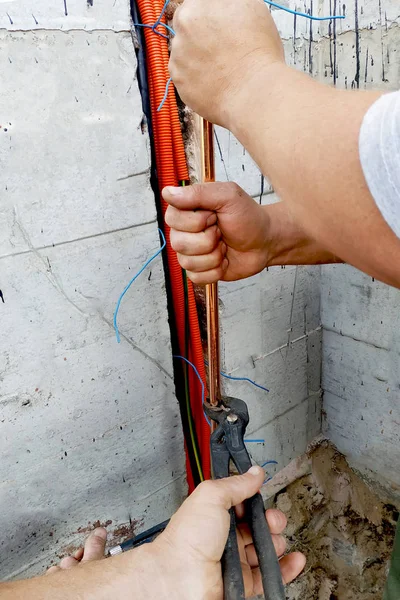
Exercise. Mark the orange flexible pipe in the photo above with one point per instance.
(196, 355)
(171, 169)
(177, 140)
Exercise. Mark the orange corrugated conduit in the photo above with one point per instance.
(172, 169)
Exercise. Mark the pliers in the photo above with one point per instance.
(227, 443)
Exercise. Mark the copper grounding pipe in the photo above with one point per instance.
(208, 175)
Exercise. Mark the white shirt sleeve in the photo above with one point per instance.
(380, 156)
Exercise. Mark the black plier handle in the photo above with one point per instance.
(227, 443)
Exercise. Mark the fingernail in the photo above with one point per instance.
(101, 533)
(254, 470)
(174, 191)
(225, 263)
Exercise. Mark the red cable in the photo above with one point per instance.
(171, 169)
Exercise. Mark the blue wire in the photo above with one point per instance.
(269, 462)
(305, 15)
(245, 379)
(133, 280)
(201, 382)
(168, 28)
(165, 95)
(255, 441)
(152, 27)
(203, 396)
(157, 23)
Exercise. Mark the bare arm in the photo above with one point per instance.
(221, 233)
(303, 135)
(311, 132)
(125, 576)
(183, 562)
(294, 245)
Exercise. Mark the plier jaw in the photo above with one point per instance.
(227, 443)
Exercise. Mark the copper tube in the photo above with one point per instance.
(208, 175)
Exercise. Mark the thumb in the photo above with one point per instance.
(208, 196)
(232, 490)
(95, 545)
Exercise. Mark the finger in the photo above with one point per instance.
(292, 565)
(195, 244)
(205, 262)
(95, 545)
(69, 562)
(240, 511)
(230, 491)
(279, 544)
(52, 570)
(276, 520)
(78, 554)
(207, 196)
(189, 220)
(247, 538)
(207, 277)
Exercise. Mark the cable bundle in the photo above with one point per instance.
(172, 170)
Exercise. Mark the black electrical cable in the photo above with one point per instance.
(192, 427)
(144, 538)
(179, 372)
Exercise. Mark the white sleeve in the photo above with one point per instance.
(380, 156)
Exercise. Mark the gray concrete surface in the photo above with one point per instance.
(83, 421)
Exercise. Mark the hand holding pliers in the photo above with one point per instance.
(227, 443)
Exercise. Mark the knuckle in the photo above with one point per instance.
(212, 234)
(182, 19)
(169, 217)
(184, 261)
(176, 241)
(195, 191)
(195, 278)
(233, 190)
(206, 488)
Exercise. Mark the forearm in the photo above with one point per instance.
(133, 575)
(292, 245)
(305, 136)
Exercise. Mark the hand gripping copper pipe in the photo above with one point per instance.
(208, 175)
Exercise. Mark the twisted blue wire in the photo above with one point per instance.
(132, 281)
(301, 14)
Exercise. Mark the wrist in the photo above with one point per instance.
(147, 574)
(286, 242)
(279, 234)
(255, 91)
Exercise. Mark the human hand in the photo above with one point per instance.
(194, 541)
(219, 46)
(218, 231)
(93, 550)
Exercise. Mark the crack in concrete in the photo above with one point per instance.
(351, 337)
(75, 240)
(52, 278)
(280, 348)
(284, 413)
(145, 172)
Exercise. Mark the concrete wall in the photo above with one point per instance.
(361, 356)
(83, 420)
(360, 317)
(89, 430)
(271, 333)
